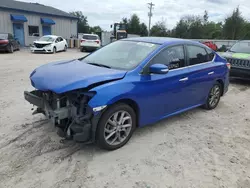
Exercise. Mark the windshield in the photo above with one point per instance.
(124, 55)
(241, 47)
(3, 36)
(47, 39)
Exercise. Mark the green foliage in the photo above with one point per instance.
(190, 27)
(159, 29)
(83, 26)
(134, 25)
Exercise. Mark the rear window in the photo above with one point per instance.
(3, 36)
(90, 37)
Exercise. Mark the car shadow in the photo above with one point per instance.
(240, 81)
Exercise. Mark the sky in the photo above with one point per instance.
(106, 12)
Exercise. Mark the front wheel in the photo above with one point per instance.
(54, 50)
(116, 126)
(213, 97)
(11, 49)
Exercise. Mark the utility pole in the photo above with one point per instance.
(151, 5)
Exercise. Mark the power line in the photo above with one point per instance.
(151, 5)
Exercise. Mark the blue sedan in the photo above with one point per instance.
(104, 96)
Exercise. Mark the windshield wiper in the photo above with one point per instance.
(100, 65)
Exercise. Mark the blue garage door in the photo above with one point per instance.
(46, 30)
(19, 32)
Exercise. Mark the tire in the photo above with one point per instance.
(213, 98)
(82, 50)
(115, 132)
(54, 50)
(18, 47)
(65, 48)
(11, 49)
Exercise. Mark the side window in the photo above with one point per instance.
(173, 57)
(196, 55)
(60, 39)
(57, 40)
(11, 36)
(210, 55)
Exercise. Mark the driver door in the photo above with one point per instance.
(166, 93)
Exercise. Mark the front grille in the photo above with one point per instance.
(39, 45)
(239, 63)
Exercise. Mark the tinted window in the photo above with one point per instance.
(196, 55)
(173, 57)
(90, 37)
(11, 36)
(210, 55)
(3, 36)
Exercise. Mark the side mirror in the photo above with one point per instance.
(111, 26)
(16, 38)
(158, 69)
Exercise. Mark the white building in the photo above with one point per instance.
(29, 21)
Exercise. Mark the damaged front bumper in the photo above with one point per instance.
(74, 119)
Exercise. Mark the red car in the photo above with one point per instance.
(211, 45)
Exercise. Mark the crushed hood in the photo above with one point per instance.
(64, 76)
(245, 56)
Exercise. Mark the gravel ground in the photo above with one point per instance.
(195, 149)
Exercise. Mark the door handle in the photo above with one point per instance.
(183, 79)
(210, 73)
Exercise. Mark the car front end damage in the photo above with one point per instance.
(69, 112)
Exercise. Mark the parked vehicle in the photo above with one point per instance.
(239, 58)
(127, 84)
(49, 44)
(211, 45)
(8, 43)
(90, 42)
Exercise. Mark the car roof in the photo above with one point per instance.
(160, 40)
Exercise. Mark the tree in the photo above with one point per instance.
(143, 29)
(234, 26)
(83, 26)
(95, 29)
(159, 29)
(134, 26)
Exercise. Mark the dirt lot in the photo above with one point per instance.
(195, 149)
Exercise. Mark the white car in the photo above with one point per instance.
(90, 42)
(49, 44)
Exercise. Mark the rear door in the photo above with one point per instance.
(202, 72)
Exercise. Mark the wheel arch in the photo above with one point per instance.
(127, 101)
(220, 81)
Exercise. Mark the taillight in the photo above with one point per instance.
(228, 65)
(82, 40)
(97, 41)
(4, 41)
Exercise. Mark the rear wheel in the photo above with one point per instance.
(65, 48)
(116, 126)
(213, 97)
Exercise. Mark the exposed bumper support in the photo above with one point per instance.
(77, 126)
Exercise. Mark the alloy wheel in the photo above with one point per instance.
(214, 96)
(118, 128)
